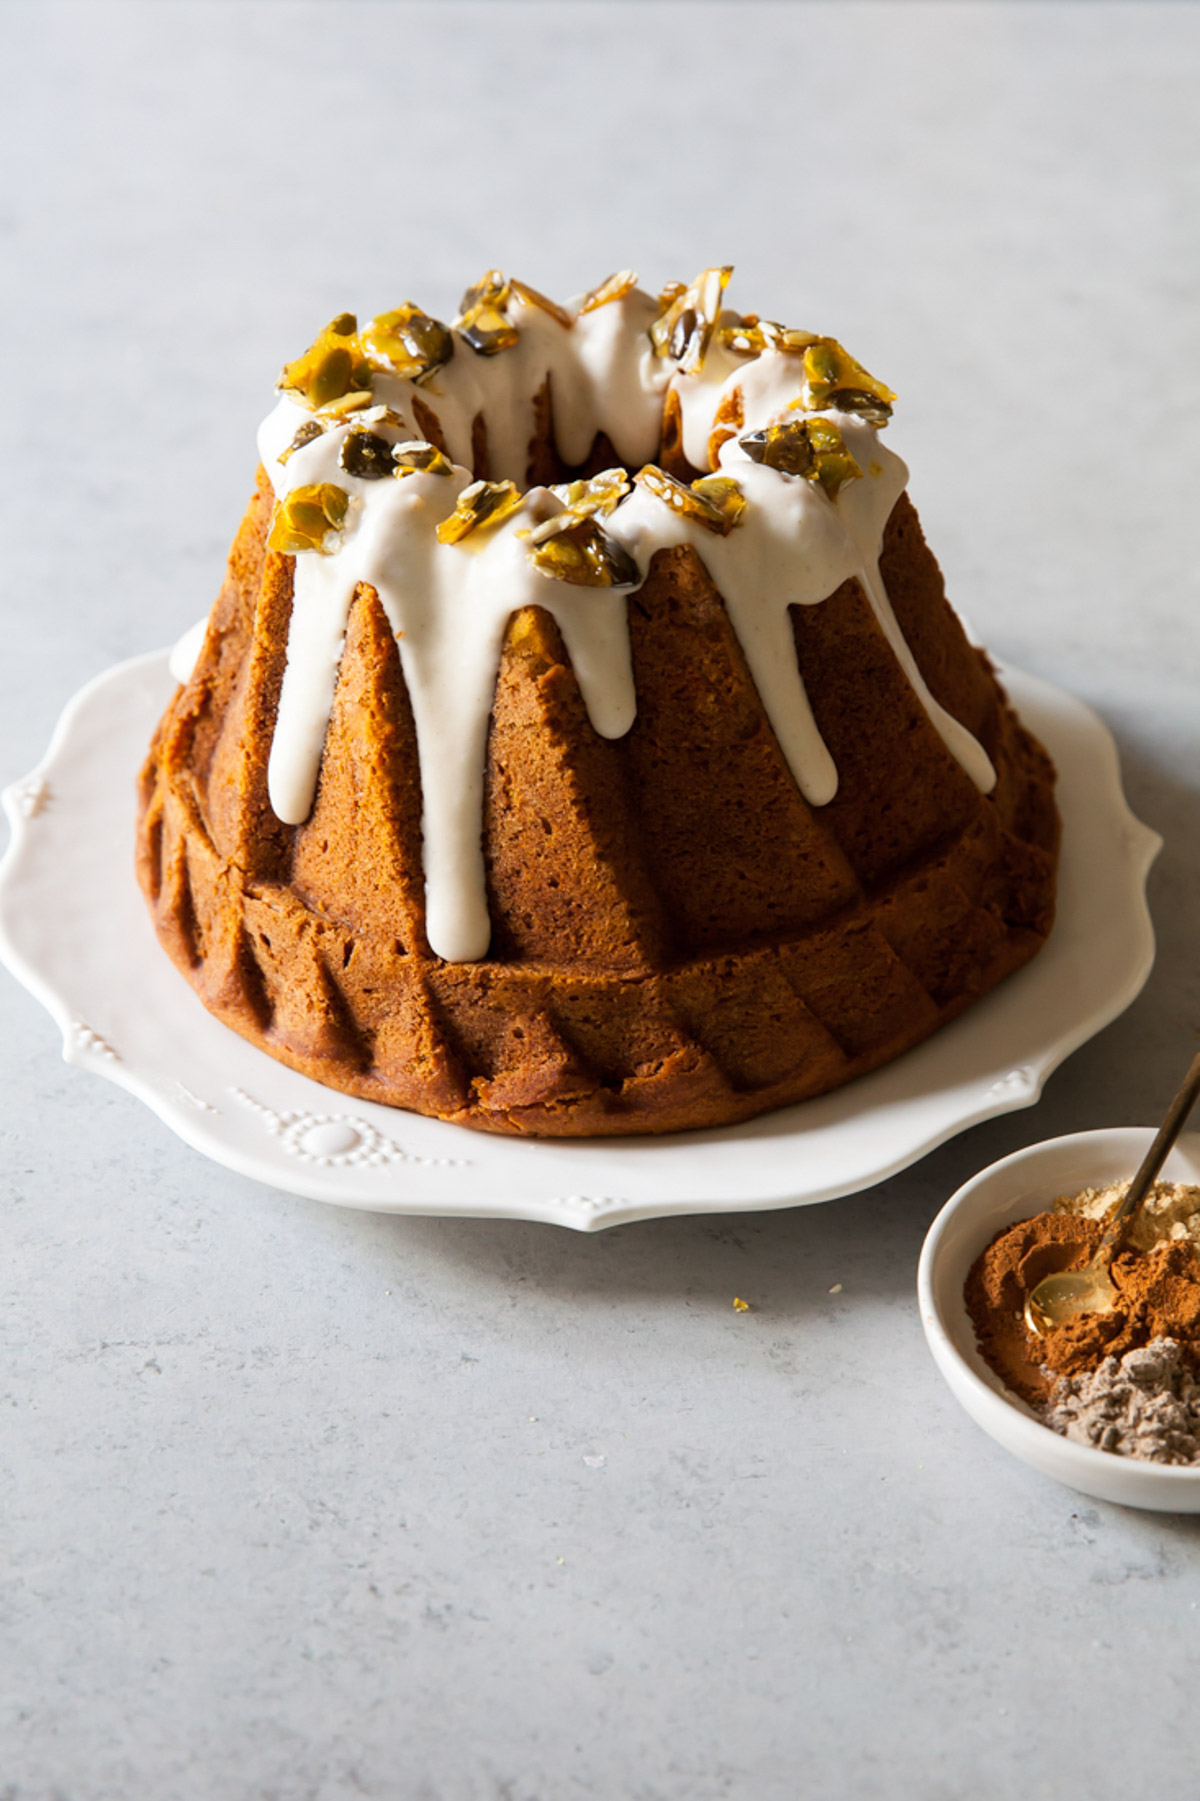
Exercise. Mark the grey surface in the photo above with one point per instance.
(306, 1506)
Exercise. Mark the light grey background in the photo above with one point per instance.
(302, 1506)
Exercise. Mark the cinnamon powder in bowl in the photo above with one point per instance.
(1158, 1296)
(1008, 1195)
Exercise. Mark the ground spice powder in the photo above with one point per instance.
(1145, 1404)
(1158, 1296)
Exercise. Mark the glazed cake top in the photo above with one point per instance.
(371, 451)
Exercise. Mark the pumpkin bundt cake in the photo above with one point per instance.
(582, 741)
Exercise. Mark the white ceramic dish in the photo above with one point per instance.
(73, 928)
(1013, 1189)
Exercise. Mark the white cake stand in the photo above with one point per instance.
(74, 930)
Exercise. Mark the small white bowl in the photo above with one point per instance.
(1005, 1192)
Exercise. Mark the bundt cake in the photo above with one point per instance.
(581, 741)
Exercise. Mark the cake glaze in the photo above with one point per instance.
(567, 392)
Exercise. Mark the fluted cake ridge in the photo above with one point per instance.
(582, 741)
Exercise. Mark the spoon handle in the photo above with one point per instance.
(1153, 1161)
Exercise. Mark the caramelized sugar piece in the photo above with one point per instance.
(615, 287)
(312, 428)
(309, 518)
(685, 329)
(367, 455)
(408, 343)
(829, 375)
(482, 322)
(714, 501)
(573, 546)
(743, 335)
(483, 503)
(354, 402)
(583, 500)
(531, 297)
(813, 448)
(375, 418)
(751, 336)
(332, 367)
(416, 455)
(571, 549)
(722, 493)
(834, 379)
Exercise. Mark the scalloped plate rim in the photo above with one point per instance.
(483, 1154)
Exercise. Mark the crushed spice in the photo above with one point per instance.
(1158, 1296)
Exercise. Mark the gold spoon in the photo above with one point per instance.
(1061, 1297)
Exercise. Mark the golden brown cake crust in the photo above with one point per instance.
(679, 939)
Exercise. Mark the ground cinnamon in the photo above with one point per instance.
(1158, 1296)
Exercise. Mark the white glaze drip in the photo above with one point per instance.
(449, 605)
(791, 548)
(603, 375)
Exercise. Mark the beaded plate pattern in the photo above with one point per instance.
(128, 1015)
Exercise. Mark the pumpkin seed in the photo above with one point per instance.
(584, 500)
(332, 366)
(309, 518)
(813, 448)
(685, 329)
(614, 287)
(483, 503)
(416, 457)
(580, 551)
(714, 501)
(312, 428)
(482, 322)
(408, 343)
(367, 455)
